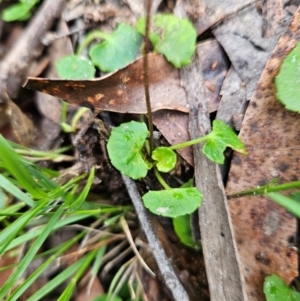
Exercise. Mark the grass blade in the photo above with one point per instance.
(55, 282)
(81, 198)
(15, 191)
(22, 266)
(36, 232)
(66, 295)
(16, 165)
(29, 281)
(8, 234)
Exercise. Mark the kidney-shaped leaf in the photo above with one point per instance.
(219, 138)
(75, 67)
(287, 81)
(174, 37)
(125, 149)
(117, 50)
(173, 202)
(275, 289)
(165, 157)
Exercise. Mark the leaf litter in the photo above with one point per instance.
(175, 101)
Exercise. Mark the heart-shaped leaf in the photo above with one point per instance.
(173, 202)
(75, 67)
(275, 289)
(218, 139)
(165, 157)
(19, 11)
(175, 38)
(117, 50)
(287, 81)
(125, 149)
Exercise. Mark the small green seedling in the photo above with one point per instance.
(287, 81)
(20, 11)
(275, 289)
(126, 151)
(75, 67)
(114, 52)
(118, 49)
(167, 32)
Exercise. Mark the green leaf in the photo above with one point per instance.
(75, 67)
(182, 228)
(19, 291)
(175, 38)
(11, 231)
(27, 259)
(275, 289)
(173, 202)
(67, 293)
(77, 203)
(19, 11)
(125, 149)
(15, 191)
(221, 136)
(18, 167)
(165, 157)
(292, 204)
(118, 49)
(287, 81)
(57, 280)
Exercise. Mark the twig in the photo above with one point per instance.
(146, 75)
(14, 66)
(159, 254)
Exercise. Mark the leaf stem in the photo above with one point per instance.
(189, 143)
(266, 189)
(146, 75)
(96, 34)
(161, 180)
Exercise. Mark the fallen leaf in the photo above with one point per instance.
(122, 91)
(274, 15)
(215, 66)
(19, 127)
(206, 13)
(271, 134)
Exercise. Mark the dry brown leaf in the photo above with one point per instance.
(274, 15)
(122, 91)
(19, 127)
(206, 13)
(263, 230)
(215, 66)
